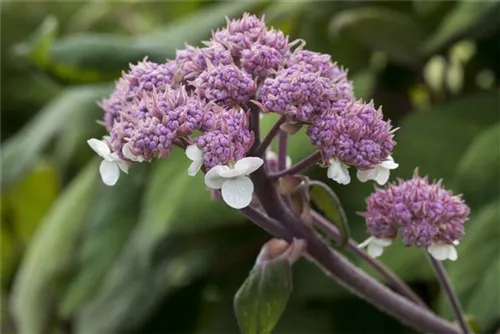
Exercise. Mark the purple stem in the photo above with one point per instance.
(342, 270)
(331, 230)
(450, 294)
(298, 167)
(282, 150)
(269, 137)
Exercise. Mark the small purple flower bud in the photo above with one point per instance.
(240, 33)
(226, 85)
(193, 61)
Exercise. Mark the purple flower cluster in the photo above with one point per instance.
(356, 134)
(208, 91)
(424, 213)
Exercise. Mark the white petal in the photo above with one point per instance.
(194, 153)
(389, 163)
(123, 165)
(383, 242)
(237, 192)
(365, 175)
(110, 172)
(248, 165)
(453, 255)
(439, 251)
(213, 180)
(338, 172)
(456, 243)
(288, 162)
(100, 147)
(365, 243)
(382, 175)
(127, 153)
(375, 250)
(195, 167)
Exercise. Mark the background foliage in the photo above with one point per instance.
(155, 253)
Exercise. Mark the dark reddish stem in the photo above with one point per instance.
(298, 167)
(270, 136)
(282, 150)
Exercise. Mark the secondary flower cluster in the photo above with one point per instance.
(423, 213)
(201, 101)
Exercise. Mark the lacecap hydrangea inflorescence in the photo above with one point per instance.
(201, 102)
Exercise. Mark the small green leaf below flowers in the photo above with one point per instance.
(261, 300)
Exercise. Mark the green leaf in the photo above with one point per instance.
(261, 300)
(434, 139)
(466, 16)
(50, 254)
(21, 151)
(37, 49)
(164, 250)
(91, 57)
(114, 215)
(478, 172)
(478, 254)
(37, 191)
(379, 29)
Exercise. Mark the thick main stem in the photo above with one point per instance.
(399, 286)
(282, 150)
(450, 294)
(345, 272)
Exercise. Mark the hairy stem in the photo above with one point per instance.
(399, 286)
(298, 167)
(450, 294)
(342, 270)
(282, 150)
(269, 137)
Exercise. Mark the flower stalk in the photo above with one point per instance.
(298, 167)
(445, 283)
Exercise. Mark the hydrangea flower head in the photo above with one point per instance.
(422, 213)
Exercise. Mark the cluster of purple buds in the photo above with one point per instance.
(201, 102)
(424, 214)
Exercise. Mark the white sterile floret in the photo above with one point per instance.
(338, 171)
(127, 153)
(441, 251)
(379, 173)
(111, 164)
(375, 245)
(196, 155)
(236, 187)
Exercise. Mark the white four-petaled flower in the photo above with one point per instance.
(196, 155)
(127, 153)
(441, 251)
(338, 171)
(111, 163)
(379, 173)
(236, 187)
(375, 245)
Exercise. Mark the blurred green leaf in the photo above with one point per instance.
(479, 253)
(163, 252)
(91, 57)
(478, 172)
(36, 191)
(37, 49)
(50, 254)
(379, 29)
(23, 149)
(261, 300)
(434, 139)
(107, 227)
(464, 17)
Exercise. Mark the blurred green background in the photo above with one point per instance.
(155, 254)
